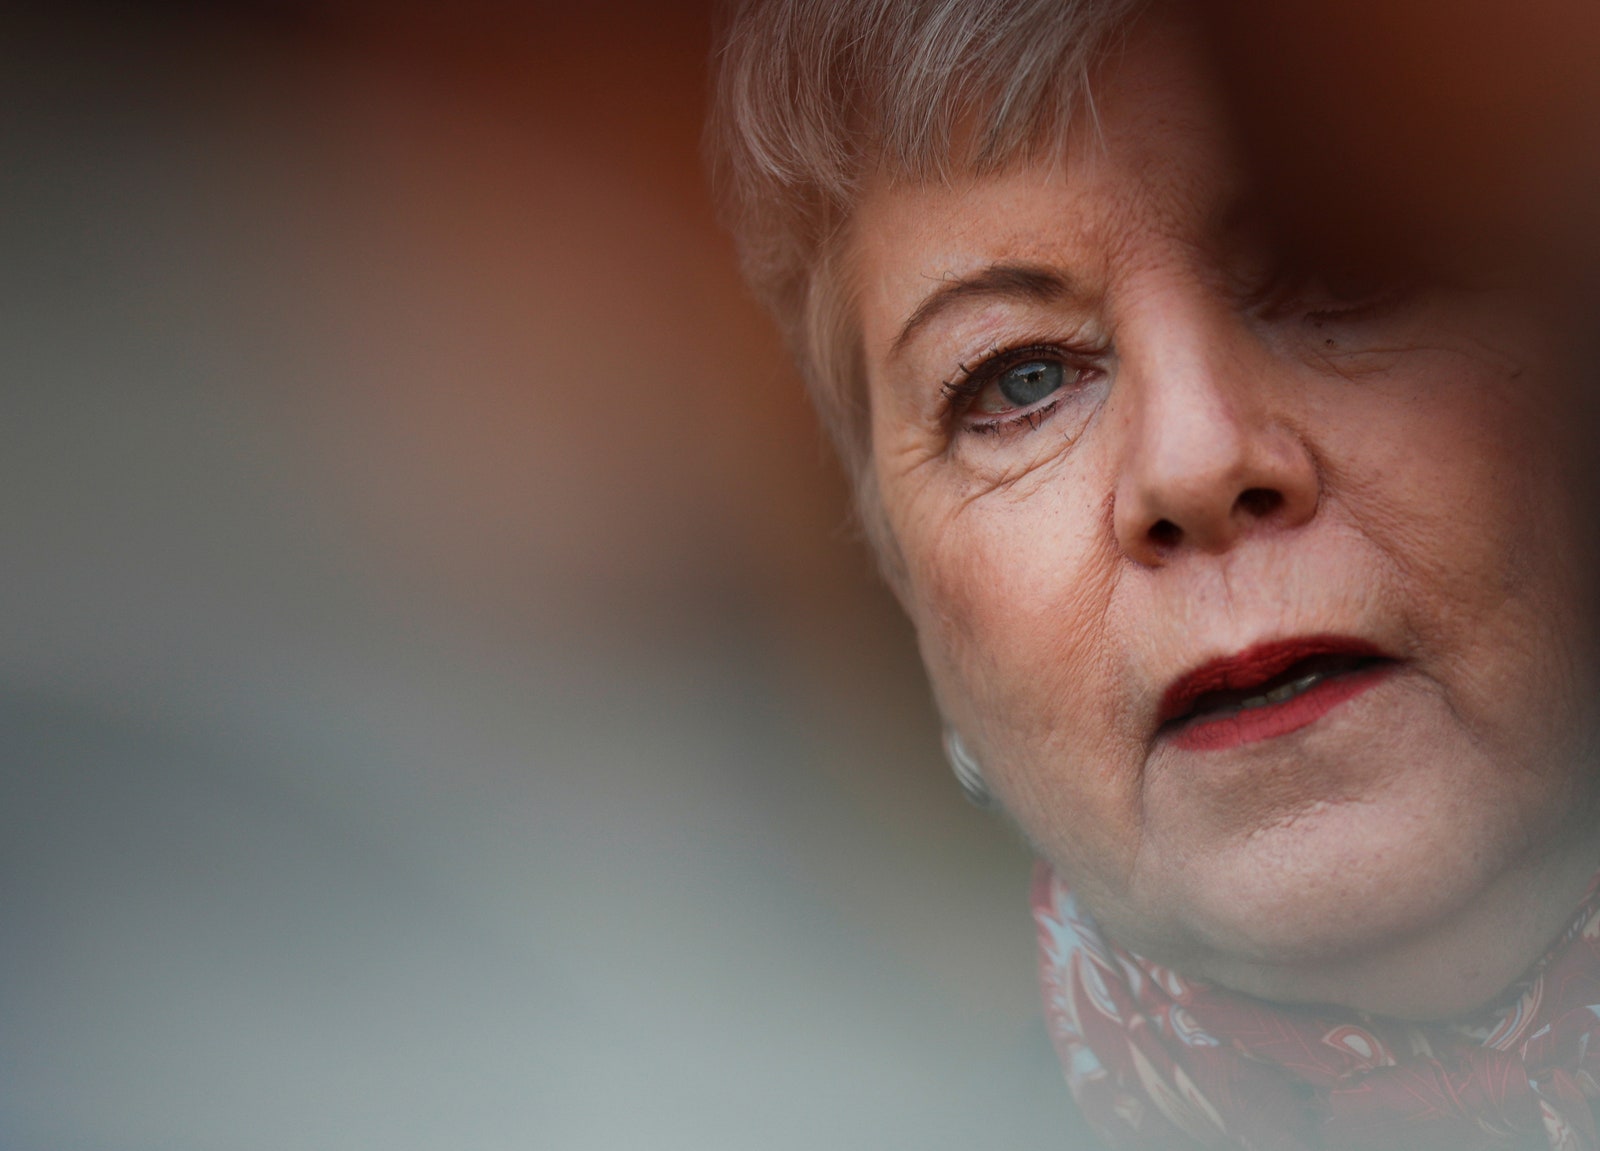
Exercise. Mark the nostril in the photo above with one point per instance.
(1165, 534)
(1259, 502)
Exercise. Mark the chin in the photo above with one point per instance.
(1395, 867)
(1413, 909)
(1336, 882)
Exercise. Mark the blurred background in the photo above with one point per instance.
(443, 703)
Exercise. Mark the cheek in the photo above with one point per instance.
(1012, 597)
(1463, 492)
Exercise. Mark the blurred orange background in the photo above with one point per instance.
(446, 704)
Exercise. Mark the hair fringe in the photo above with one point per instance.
(813, 97)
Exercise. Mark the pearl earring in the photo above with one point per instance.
(968, 772)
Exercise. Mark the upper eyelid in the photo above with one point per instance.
(1000, 356)
(1069, 336)
(982, 362)
(1289, 291)
(993, 363)
(1006, 281)
(972, 328)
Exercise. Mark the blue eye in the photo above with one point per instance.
(1020, 386)
(1026, 384)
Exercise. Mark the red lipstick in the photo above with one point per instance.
(1268, 690)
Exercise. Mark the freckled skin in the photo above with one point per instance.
(1414, 849)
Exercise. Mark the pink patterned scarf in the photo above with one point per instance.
(1159, 1063)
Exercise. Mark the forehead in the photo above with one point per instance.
(1150, 159)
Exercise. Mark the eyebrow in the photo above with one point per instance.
(1025, 282)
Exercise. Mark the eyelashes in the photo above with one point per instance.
(1014, 389)
(1325, 298)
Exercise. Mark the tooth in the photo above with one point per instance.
(1276, 695)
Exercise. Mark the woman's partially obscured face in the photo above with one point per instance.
(1260, 602)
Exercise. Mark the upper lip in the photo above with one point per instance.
(1255, 666)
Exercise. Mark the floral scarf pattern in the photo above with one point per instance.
(1161, 1063)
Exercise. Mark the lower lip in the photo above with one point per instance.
(1277, 719)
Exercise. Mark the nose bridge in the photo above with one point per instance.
(1207, 459)
(1192, 424)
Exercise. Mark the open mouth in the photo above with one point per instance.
(1267, 691)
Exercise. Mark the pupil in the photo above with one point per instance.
(1029, 383)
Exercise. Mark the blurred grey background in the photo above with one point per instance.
(443, 703)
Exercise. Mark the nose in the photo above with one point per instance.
(1208, 458)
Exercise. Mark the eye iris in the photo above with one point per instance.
(1031, 382)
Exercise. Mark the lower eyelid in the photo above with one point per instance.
(1031, 417)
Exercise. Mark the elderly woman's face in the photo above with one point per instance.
(1256, 600)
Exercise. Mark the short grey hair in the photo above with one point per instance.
(814, 96)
